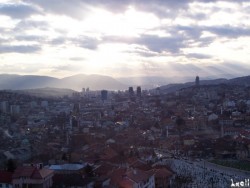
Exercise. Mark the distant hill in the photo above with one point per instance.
(150, 82)
(13, 81)
(244, 81)
(98, 82)
(94, 82)
(76, 82)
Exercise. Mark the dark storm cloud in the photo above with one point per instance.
(18, 11)
(19, 49)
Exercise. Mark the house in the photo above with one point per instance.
(5, 179)
(72, 180)
(141, 178)
(162, 177)
(130, 178)
(26, 176)
(242, 152)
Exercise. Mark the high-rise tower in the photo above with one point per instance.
(138, 91)
(197, 81)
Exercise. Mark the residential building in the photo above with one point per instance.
(30, 176)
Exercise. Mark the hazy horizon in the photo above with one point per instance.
(121, 38)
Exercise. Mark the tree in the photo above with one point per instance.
(89, 171)
(64, 157)
(11, 165)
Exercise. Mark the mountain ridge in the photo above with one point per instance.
(75, 82)
(99, 82)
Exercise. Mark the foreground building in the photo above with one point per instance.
(29, 176)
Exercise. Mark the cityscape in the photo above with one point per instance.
(124, 94)
(197, 136)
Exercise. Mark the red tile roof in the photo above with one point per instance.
(126, 183)
(137, 175)
(31, 172)
(117, 175)
(163, 173)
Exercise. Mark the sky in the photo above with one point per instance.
(123, 38)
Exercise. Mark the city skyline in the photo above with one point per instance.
(125, 38)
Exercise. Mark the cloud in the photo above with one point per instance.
(142, 51)
(199, 56)
(19, 49)
(154, 43)
(86, 42)
(229, 31)
(189, 68)
(181, 27)
(66, 67)
(160, 44)
(76, 9)
(79, 8)
(34, 38)
(189, 31)
(58, 41)
(76, 59)
(18, 11)
(31, 24)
